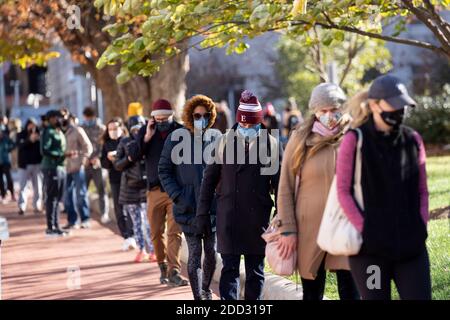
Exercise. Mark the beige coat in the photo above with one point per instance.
(77, 140)
(305, 214)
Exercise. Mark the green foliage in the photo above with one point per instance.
(431, 117)
(165, 27)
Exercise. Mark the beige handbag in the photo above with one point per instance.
(337, 235)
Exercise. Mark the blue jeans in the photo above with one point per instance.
(76, 202)
(254, 276)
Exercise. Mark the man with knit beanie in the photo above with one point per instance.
(244, 202)
(151, 138)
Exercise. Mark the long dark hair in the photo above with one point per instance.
(120, 123)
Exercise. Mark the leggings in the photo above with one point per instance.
(141, 227)
(201, 279)
(313, 289)
(373, 276)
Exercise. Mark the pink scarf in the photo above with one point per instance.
(319, 128)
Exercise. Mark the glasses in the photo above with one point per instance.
(198, 116)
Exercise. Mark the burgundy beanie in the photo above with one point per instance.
(249, 110)
(161, 107)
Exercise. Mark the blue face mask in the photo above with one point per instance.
(249, 133)
(200, 124)
(90, 123)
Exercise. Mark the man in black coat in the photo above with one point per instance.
(244, 202)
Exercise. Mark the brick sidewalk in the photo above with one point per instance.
(35, 267)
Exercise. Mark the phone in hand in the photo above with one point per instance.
(153, 125)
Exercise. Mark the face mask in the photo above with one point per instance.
(114, 135)
(200, 124)
(330, 120)
(59, 123)
(163, 126)
(249, 133)
(90, 123)
(393, 118)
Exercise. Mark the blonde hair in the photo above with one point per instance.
(358, 107)
(302, 152)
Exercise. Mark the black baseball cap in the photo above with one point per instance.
(53, 113)
(392, 90)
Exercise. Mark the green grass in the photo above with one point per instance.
(438, 242)
(438, 172)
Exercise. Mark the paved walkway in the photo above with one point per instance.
(36, 267)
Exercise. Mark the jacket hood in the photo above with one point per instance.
(191, 104)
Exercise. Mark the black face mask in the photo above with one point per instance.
(393, 118)
(163, 126)
(59, 123)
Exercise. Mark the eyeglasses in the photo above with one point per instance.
(198, 116)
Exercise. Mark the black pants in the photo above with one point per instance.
(254, 276)
(373, 277)
(5, 170)
(313, 289)
(123, 220)
(54, 180)
(200, 278)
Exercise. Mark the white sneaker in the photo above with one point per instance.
(105, 219)
(129, 244)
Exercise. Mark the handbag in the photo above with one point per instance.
(282, 267)
(337, 235)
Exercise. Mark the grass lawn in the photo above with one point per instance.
(438, 242)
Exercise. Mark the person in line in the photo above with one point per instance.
(6, 146)
(394, 220)
(132, 195)
(182, 184)
(151, 138)
(78, 150)
(29, 162)
(53, 146)
(95, 130)
(115, 132)
(223, 119)
(244, 201)
(306, 174)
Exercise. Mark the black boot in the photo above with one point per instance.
(163, 279)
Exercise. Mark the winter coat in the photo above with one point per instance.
(28, 152)
(77, 140)
(132, 173)
(110, 145)
(6, 146)
(95, 133)
(53, 146)
(304, 214)
(244, 202)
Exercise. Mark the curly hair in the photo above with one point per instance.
(191, 104)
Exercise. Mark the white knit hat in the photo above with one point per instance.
(326, 95)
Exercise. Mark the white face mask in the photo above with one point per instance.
(115, 134)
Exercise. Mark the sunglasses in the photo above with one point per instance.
(198, 116)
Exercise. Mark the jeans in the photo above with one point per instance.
(137, 212)
(76, 197)
(32, 172)
(313, 289)
(54, 183)
(411, 277)
(123, 219)
(254, 276)
(96, 176)
(5, 170)
(199, 278)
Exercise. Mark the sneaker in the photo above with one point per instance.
(152, 257)
(206, 295)
(163, 279)
(141, 257)
(56, 233)
(176, 280)
(38, 211)
(70, 226)
(105, 219)
(21, 212)
(5, 201)
(86, 224)
(129, 244)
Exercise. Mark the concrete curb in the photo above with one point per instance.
(275, 287)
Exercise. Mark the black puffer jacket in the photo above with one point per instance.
(110, 145)
(132, 184)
